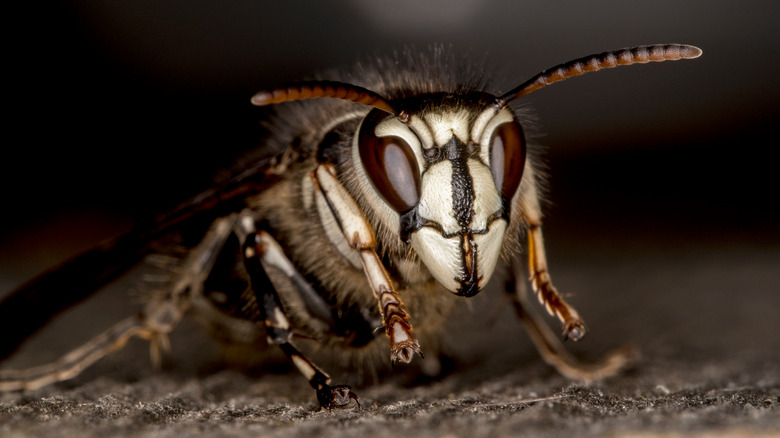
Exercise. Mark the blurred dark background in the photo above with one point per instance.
(118, 110)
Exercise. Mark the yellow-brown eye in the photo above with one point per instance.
(391, 166)
(507, 157)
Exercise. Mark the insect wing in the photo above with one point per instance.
(32, 305)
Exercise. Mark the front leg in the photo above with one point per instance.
(335, 204)
(531, 214)
(549, 346)
(157, 319)
(573, 325)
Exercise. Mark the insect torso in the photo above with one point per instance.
(351, 321)
(384, 207)
(453, 202)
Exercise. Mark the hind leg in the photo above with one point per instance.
(157, 319)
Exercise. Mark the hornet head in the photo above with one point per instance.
(449, 171)
(446, 166)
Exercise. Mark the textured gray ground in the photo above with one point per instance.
(704, 316)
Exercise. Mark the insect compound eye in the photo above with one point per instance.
(391, 165)
(507, 157)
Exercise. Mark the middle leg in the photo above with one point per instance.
(550, 347)
(259, 247)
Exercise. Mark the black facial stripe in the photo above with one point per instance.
(463, 195)
(469, 282)
(462, 186)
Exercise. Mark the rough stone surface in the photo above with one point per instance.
(705, 318)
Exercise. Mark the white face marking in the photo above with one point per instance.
(393, 127)
(488, 250)
(504, 116)
(445, 125)
(441, 256)
(436, 196)
(487, 201)
(480, 122)
(421, 129)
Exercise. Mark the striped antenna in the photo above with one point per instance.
(317, 89)
(633, 55)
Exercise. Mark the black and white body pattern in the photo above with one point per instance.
(395, 193)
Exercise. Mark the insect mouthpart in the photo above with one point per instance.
(462, 263)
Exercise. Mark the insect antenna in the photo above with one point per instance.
(317, 89)
(601, 61)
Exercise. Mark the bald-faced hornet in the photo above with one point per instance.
(379, 200)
